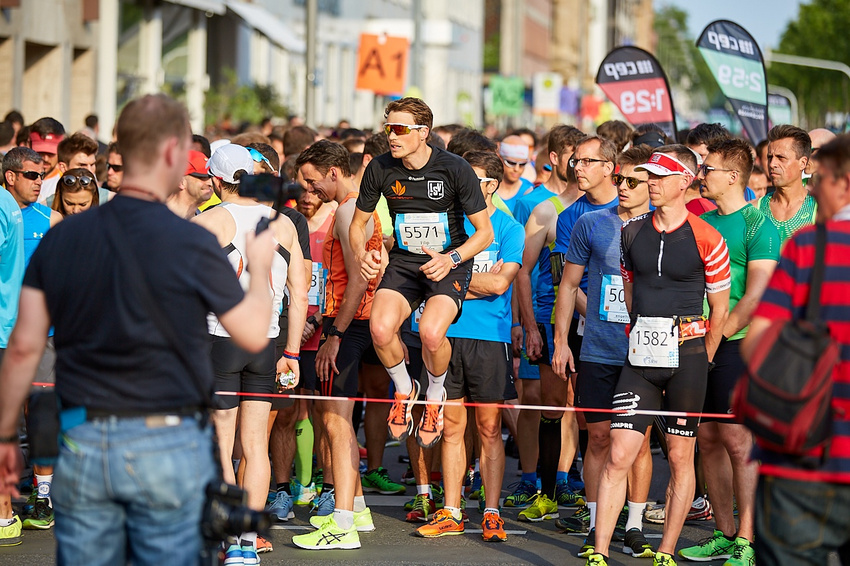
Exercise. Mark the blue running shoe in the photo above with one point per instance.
(521, 496)
(249, 556)
(324, 504)
(281, 507)
(233, 556)
(574, 481)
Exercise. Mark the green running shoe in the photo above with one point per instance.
(541, 508)
(663, 559)
(362, 521)
(715, 547)
(11, 535)
(42, 516)
(742, 554)
(578, 523)
(596, 560)
(378, 481)
(328, 537)
(589, 545)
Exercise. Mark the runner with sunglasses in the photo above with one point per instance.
(670, 260)
(76, 192)
(513, 151)
(428, 191)
(594, 254)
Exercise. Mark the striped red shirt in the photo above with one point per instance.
(786, 298)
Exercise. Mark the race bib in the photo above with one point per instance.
(316, 294)
(429, 229)
(654, 342)
(417, 314)
(612, 300)
(483, 262)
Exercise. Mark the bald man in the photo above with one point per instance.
(820, 136)
(513, 150)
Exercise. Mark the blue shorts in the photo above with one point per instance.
(527, 370)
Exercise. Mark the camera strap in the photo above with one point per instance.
(138, 284)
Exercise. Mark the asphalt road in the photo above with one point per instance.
(392, 543)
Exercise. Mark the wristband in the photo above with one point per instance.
(9, 439)
(291, 356)
(516, 324)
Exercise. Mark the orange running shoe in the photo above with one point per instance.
(263, 545)
(400, 423)
(430, 429)
(493, 527)
(441, 524)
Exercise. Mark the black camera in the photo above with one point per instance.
(268, 188)
(265, 187)
(226, 514)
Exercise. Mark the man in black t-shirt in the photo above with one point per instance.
(428, 191)
(136, 453)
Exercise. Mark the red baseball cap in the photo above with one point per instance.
(46, 144)
(197, 166)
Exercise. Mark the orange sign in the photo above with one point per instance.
(382, 63)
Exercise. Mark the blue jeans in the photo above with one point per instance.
(123, 491)
(801, 522)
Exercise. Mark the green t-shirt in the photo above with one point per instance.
(804, 217)
(749, 236)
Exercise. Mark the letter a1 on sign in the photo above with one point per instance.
(382, 63)
(633, 79)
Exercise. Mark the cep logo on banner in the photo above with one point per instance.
(736, 62)
(634, 81)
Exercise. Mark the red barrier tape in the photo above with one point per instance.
(466, 404)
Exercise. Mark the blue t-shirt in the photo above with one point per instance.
(489, 318)
(36, 223)
(11, 263)
(567, 221)
(595, 244)
(525, 187)
(522, 212)
(526, 203)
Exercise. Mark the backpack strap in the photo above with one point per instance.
(813, 308)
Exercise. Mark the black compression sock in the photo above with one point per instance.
(283, 487)
(550, 452)
(582, 443)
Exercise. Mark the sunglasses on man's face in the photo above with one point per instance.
(631, 182)
(31, 175)
(71, 180)
(400, 129)
(116, 168)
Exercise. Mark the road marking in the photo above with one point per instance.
(507, 532)
(647, 535)
(292, 528)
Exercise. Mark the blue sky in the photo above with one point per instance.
(764, 19)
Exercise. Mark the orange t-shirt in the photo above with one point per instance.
(333, 261)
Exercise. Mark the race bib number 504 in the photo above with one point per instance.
(612, 304)
(416, 230)
(654, 342)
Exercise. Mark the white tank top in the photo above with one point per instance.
(246, 218)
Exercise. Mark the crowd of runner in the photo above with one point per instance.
(611, 271)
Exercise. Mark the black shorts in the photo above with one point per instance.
(480, 370)
(729, 366)
(595, 387)
(403, 275)
(355, 348)
(673, 389)
(240, 371)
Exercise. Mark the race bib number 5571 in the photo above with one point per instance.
(416, 230)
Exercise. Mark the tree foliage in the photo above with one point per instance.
(242, 103)
(820, 31)
(679, 57)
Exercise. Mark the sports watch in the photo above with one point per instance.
(456, 259)
(334, 331)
